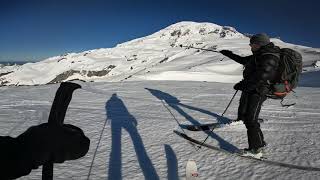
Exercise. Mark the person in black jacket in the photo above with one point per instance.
(260, 70)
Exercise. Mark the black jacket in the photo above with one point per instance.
(260, 69)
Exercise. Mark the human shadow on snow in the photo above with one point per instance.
(175, 103)
(120, 118)
(172, 163)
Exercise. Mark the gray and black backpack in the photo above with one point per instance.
(290, 68)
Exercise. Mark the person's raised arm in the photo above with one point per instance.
(235, 57)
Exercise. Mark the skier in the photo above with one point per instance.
(260, 70)
(39, 145)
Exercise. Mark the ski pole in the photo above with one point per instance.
(229, 103)
(199, 48)
(57, 113)
(221, 116)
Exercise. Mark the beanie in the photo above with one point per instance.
(260, 39)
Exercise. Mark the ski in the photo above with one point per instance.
(202, 127)
(57, 113)
(238, 154)
(210, 126)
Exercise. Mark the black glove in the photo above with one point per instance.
(226, 52)
(262, 90)
(46, 143)
(239, 86)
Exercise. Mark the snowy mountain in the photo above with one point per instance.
(154, 57)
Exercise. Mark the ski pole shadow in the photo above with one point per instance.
(174, 103)
(172, 163)
(120, 118)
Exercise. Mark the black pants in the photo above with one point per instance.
(248, 112)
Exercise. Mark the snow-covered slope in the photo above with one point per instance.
(130, 126)
(154, 57)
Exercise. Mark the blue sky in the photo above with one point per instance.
(31, 30)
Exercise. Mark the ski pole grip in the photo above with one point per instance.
(57, 113)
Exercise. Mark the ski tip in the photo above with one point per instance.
(189, 127)
(177, 132)
(191, 170)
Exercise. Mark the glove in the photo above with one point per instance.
(262, 90)
(239, 86)
(226, 52)
(46, 143)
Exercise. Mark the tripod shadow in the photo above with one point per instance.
(120, 118)
(174, 103)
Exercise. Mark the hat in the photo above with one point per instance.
(260, 39)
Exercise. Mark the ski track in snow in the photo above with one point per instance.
(138, 140)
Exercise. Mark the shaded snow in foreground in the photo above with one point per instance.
(137, 141)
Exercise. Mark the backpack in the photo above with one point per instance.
(290, 68)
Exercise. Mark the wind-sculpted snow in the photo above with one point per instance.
(130, 125)
(154, 57)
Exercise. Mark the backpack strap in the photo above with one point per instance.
(274, 54)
